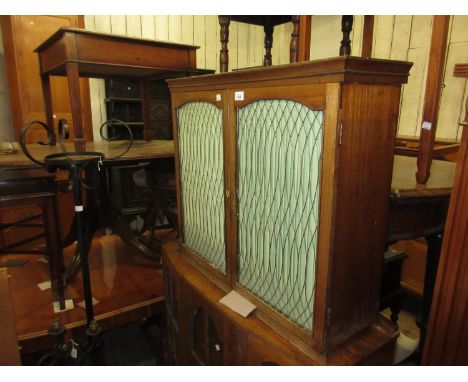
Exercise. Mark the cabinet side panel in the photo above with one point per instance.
(369, 121)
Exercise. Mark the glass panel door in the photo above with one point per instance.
(279, 149)
(200, 137)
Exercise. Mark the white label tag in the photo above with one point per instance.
(78, 208)
(238, 304)
(426, 125)
(239, 96)
(45, 285)
(218, 97)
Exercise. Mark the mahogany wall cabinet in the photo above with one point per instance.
(283, 180)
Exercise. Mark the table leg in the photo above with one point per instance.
(224, 22)
(47, 95)
(346, 28)
(294, 45)
(75, 99)
(268, 29)
(434, 245)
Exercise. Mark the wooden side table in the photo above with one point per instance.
(76, 53)
(420, 210)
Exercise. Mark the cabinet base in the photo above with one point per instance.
(201, 331)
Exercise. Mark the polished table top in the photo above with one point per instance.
(102, 55)
(403, 181)
(140, 150)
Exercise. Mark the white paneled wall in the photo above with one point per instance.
(408, 38)
(455, 90)
(326, 35)
(395, 37)
(245, 44)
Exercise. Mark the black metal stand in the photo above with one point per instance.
(75, 163)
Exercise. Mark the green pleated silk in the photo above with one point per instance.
(279, 147)
(200, 133)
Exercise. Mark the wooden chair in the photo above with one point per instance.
(35, 187)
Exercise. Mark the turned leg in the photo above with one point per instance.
(346, 28)
(294, 46)
(224, 22)
(268, 29)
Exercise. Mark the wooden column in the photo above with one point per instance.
(367, 37)
(305, 24)
(447, 335)
(435, 75)
(224, 22)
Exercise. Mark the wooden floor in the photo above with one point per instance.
(128, 287)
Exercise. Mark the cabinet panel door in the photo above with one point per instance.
(279, 150)
(206, 332)
(200, 145)
(21, 35)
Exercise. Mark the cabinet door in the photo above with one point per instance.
(200, 119)
(21, 35)
(206, 333)
(279, 142)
